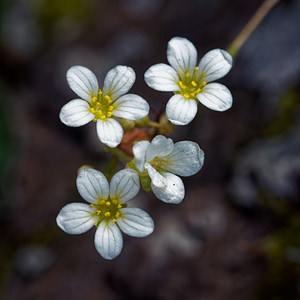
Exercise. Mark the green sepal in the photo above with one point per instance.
(146, 182)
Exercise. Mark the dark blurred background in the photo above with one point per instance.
(237, 233)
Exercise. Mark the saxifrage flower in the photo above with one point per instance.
(189, 82)
(102, 106)
(161, 159)
(107, 210)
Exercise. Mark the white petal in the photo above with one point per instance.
(181, 111)
(216, 96)
(186, 159)
(156, 179)
(108, 240)
(182, 55)
(124, 185)
(83, 82)
(131, 107)
(110, 132)
(76, 218)
(139, 152)
(160, 146)
(76, 113)
(174, 190)
(135, 222)
(118, 81)
(92, 185)
(215, 64)
(162, 77)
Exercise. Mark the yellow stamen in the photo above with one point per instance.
(114, 220)
(198, 91)
(114, 201)
(92, 110)
(108, 114)
(110, 108)
(107, 214)
(119, 206)
(94, 99)
(193, 94)
(98, 212)
(100, 92)
(95, 223)
(102, 117)
(204, 83)
(99, 113)
(102, 202)
(197, 68)
(181, 85)
(106, 97)
(107, 203)
(187, 74)
(186, 96)
(117, 215)
(194, 83)
(178, 71)
(91, 205)
(98, 103)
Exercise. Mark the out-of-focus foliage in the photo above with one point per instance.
(285, 117)
(7, 150)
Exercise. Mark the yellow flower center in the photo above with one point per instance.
(190, 84)
(107, 210)
(101, 106)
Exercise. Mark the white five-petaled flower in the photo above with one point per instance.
(161, 158)
(102, 106)
(107, 210)
(190, 82)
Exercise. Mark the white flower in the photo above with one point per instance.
(161, 158)
(107, 210)
(190, 82)
(102, 106)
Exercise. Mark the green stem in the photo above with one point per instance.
(154, 124)
(119, 153)
(111, 167)
(256, 19)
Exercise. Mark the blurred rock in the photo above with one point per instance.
(141, 8)
(127, 45)
(172, 236)
(20, 33)
(269, 62)
(268, 165)
(205, 212)
(32, 261)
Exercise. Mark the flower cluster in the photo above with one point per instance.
(157, 160)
